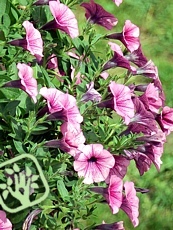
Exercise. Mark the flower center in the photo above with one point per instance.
(92, 159)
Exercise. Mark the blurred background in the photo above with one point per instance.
(155, 20)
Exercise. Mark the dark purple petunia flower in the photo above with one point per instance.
(97, 15)
(118, 60)
(137, 57)
(91, 94)
(42, 2)
(143, 121)
(112, 226)
(148, 70)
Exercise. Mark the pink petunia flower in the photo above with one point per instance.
(115, 193)
(72, 139)
(165, 120)
(130, 204)
(5, 224)
(64, 19)
(129, 36)
(32, 42)
(97, 15)
(61, 105)
(117, 2)
(123, 103)
(27, 82)
(93, 163)
(151, 99)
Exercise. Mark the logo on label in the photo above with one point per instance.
(21, 182)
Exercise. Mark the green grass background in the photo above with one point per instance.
(155, 19)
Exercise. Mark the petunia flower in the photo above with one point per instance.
(27, 82)
(123, 103)
(117, 2)
(143, 120)
(148, 70)
(151, 99)
(93, 163)
(112, 226)
(97, 15)
(61, 105)
(129, 36)
(165, 120)
(72, 139)
(113, 194)
(91, 94)
(5, 224)
(120, 167)
(32, 42)
(118, 59)
(42, 2)
(130, 204)
(64, 19)
(137, 57)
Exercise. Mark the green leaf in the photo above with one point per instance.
(96, 38)
(6, 20)
(5, 194)
(16, 167)
(2, 7)
(62, 189)
(14, 13)
(19, 146)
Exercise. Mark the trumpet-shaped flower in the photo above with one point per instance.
(129, 36)
(64, 19)
(120, 167)
(151, 99)
(130, 204)
(112, 226)
(113, 194)
(72, 136)
(118, 59)
(97, 15)
(165, 120)
(123, 103)
(61, 105)
(5, 224)
(27, 82)
(32, 42)
(91, 94)
(93, 163)
(72, 139)
(148, 70)
(137, 57)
